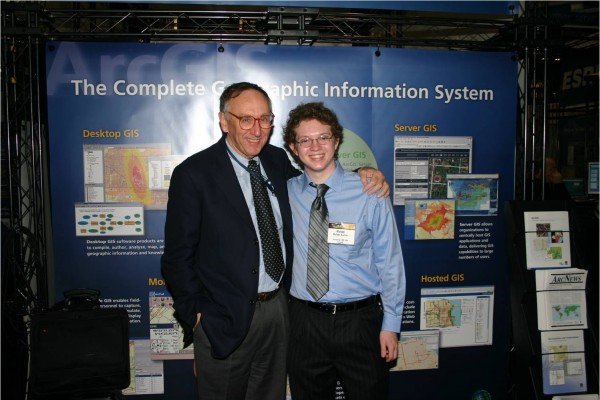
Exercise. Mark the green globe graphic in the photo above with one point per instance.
(355, 153)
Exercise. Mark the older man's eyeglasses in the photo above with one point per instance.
(248, 121)
(307, 142)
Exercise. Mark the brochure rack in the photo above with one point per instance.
(525, 365)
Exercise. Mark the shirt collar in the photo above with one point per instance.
(334, 182)
(233, 155)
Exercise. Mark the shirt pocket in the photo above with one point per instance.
(345, 250)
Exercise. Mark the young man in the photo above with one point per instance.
(223, 267)
(346, 305)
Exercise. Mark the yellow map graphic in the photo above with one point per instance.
(126, 175)
(417, 352)
(434, 219)
(161, 310)
(442, 313)
(560, 353)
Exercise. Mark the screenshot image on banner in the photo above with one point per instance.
(109, 219)
(166, 335)
(426, 219)
(418, 350)
(128, 173)
(422, 163)
(475, 194)
(547, 238)
(463, 315)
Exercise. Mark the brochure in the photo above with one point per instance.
(560, 279)
(547, 242)
(563, 362)
(561, 302)
(561, 309)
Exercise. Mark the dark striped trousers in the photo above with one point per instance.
(326, 347)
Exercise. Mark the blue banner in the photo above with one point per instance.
(479, 7)
(122, 115)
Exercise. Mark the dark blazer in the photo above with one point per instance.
(211, 257)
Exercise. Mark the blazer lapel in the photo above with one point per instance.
(229, 184)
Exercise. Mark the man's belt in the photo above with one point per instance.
(266, 296)
(334, 308)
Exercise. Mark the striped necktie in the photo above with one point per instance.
(317, 282)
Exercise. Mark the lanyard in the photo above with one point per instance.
(260, 177)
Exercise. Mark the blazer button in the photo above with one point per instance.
(252, 302)
(254, 271)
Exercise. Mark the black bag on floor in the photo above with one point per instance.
(79, 348)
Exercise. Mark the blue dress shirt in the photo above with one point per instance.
(372, 265)
(265, 283)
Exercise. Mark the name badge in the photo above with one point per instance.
(341, 233)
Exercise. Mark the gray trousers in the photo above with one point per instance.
(257, 369)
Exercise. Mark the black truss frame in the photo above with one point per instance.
(532, 32)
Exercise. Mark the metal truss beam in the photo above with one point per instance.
(149, 22)
(269, 25)
(532, 32)
(24, 197)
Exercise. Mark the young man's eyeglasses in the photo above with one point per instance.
(307, 142)
(248, 121)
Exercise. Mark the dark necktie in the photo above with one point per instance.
(317, 281)
(269, 238)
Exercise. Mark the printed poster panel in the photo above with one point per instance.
(123, 115)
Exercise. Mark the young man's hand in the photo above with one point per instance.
(389, 345)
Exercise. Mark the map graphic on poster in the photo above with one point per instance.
(443, 313)
(475, 194)
(121, 174)
(429, 219)
(422, 163)
(463, 315)
(166, 335)
(418, 350)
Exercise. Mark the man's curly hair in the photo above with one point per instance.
(306, 112)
